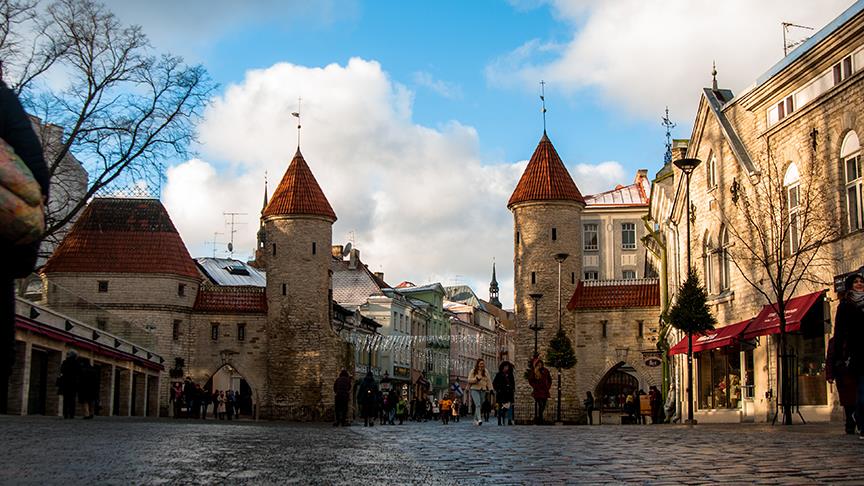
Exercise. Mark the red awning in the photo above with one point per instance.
(768, 322)
(718, 338)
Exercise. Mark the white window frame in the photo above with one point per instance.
(708, 265)
(592, 275)
(792, 189)
(624, 274)
(711, 176)
(625, 227)
(850, 153)
(585, 232)
(725, 267)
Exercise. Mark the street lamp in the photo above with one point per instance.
(559, 257)
(687, 166)
(536, 328)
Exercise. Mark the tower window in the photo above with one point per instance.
(284, 289)
(641, 328)
(533, 278)
(554, 234)
(241, 331)
(517, 237)
(313, 248)
(103, 285)
(573, 278)
(214, 331)
(603, 328)
(101, 324)
(274, 249)
(175, 330)
(181, 290)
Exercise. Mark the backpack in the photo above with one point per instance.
(22, 214)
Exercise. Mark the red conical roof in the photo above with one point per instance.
(545, 178)
(299, 193)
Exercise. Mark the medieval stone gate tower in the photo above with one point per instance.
(303, 351)
(547, 213)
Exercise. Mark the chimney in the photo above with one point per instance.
(380, 275)
(336, 251)
(679, 148)
(353, 259)
(641, 174)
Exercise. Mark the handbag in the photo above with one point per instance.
(22, 214)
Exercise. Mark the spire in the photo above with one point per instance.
(545, 178)
(265, 193)
(667, 122)
(543, 103)
(299, 194)
(493, 288)
(714, 76)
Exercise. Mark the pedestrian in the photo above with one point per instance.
(188, 395)
(446, 405)
(237, 399)
(393, 399)
(846, 385)
(848, 355)
(16, 131)
(88, 387)
(368, 399)
(454, 409)
(176, 397)
(656, 399)
(229, 404)
(505, 388)
(541, 381)
(402, 409)
(342, 390)
(588, 405)
(669, 408)
(204, 399)
(631, 409)
(67, 383)
(479, 384)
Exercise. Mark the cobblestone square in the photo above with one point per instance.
(146, 451)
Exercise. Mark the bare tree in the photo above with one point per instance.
(119, 108)
(780, 223)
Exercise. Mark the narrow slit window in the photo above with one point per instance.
(284, 289)
(314, 250)
(554, 234)
(533, 278)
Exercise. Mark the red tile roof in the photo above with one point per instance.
(545, 178)
(614, 294)
(231, 300)
(299, 193)
(115, 235)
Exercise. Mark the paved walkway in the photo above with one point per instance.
(136, 451)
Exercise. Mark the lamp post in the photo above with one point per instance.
(559, 257)
(687, 166)
(536, 327)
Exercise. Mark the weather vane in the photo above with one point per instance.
(297, 115)
(543, 102)
(666, 122)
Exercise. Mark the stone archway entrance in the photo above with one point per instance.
(227, 377)
(621, 380)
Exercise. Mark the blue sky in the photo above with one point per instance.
(419, 116)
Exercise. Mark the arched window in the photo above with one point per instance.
(725, 265)
(792, 187)
(850, 153)
(711, 171)
(708, 263)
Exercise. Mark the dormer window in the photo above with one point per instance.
(237, 269)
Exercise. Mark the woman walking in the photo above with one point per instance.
(541, 381)
(849, 344)
(479, 383)
(505, 386)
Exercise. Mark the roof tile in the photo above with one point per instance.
(614, 294)
(231, 300)
(299, 193)
(545, 178)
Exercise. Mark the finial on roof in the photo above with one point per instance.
(296, 114)
(543, 103)
(265, 193)
(714, 75)
(667, 122)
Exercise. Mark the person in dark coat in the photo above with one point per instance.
(68, 382)
(368, 399)
(342, 390)
(588, 405)
(846, 385)
(504, 385)
(541, 381)
(88, 386)
(848, 356)
(19, 260)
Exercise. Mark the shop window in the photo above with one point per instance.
(589, 237)
(810, 353)
(850, 154)
(628, 236)
(719, 376)
(749, 385)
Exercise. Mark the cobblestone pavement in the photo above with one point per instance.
(135, 451)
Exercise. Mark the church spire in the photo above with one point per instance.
(493, 289)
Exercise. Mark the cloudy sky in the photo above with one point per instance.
(418, 118)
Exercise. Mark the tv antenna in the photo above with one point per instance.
(787, 45)
(233, 223)
(215, 242)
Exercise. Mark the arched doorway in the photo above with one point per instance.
(616, 384)
(228, 378)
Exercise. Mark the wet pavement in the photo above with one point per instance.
(141, 451)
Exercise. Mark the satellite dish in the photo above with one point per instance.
(230, 247)
(347, 249)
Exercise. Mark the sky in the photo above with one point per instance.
(419, 117)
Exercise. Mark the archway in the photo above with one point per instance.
(227, 377)
(611, 391)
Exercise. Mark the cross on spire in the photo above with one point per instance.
(667, 122)
(714, 75)
(543, 102)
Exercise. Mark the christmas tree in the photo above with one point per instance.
(690, 312)
(560, 354)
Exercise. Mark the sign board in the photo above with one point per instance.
(653, 362)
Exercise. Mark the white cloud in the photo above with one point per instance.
(643, 55)
(447, 90)
(596, 178)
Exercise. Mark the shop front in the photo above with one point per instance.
(735, 367)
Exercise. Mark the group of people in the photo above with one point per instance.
(78, 383)
(845, 359)
(191, 400)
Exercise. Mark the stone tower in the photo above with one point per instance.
(302, 349)
(547, 214)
